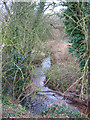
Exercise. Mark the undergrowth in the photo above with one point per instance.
(60, 77)
(11, 109)
(56, 111)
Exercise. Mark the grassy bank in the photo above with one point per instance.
(11, 109)
(56, 111)
(64, 70)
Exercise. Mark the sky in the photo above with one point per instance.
(50, 10)
(57, 8)
(46, 0)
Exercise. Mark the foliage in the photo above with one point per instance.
(21, 31)
(57, 111)
(12, 109)
(14, 74)
(76, 25)
(25, 27)
(76, 21)
(60, 78)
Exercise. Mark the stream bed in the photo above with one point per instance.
(37, 102)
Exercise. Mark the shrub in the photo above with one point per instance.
(76, 25)
(14, 74)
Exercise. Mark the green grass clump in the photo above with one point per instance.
(57, 111)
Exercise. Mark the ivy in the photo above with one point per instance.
(76, 25)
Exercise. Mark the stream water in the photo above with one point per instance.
(42, 100)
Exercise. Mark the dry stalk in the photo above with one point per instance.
(30, 93)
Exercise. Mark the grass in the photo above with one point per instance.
(56, 111)
(11, 109)
(63, 73)
(64, 70)
(61, 79)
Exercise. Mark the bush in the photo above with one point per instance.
(76, 25)
(14, 74)
(61, 77)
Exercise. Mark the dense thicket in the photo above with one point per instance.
(76, 21)
(23, 28)
(76, 18)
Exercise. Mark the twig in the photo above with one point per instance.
(77, 81)
(31, 92)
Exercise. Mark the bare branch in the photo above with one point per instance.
(6, 7)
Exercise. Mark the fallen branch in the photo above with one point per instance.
(72, 97)
(33, 91)
(57, 92)
(74, 84)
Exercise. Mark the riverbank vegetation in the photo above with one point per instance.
(11, 109)
(29, 36)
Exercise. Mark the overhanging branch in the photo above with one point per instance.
(7, 9)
